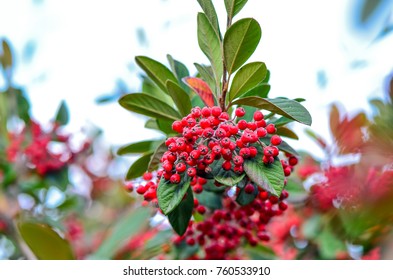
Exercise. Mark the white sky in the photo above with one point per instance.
(83, 47)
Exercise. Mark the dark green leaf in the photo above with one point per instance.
(244, 198)
(23, 105)
(248, 77)
(139, 166)
(285, 107)
(139, 147)
(261, 90)
(156, 157)
(234, 6)
(240, 42)
(269, 177)
(210, 12)
(122, 230)
(225, 177)
(181, 215)
(260, 252)
(210, 45)
(58, 178)
(170, 195)
(210, 199)
(180, 71)
(150, 88)
(165, 126)
(180, 97)
(156, 71)
(44, 242)
(211, 187)
(62, 116)
(149, 106)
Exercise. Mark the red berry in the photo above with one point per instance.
(224, 116)
(249, 189)
(227, 165)
(190, 241)
(292, 161)
(147, 176)
(258, 116)
(253, 151)
(175, 178)
(191, 171)
(283, 206)
(238, 160)
(201, 209)
(177, 126)
(242, 124)
(203, 149)
(261, 132)
(206, 112)
(244, 152)
(287, 171)
(271, 128)
(239, 112)
(276, 140)
(181, 167)
(216, 111)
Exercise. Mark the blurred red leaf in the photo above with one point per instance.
(201, 88)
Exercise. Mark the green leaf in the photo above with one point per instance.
(165, 126)
(150, 88)
(62, 115)
(240, 42)
(261, 90)
(122, 230)
(225, 177)
(248, 77)
(234, 6)
(156, 71)
(210, 45)
(311, 228)
(180, 97)
(180, 71)
(139, 166)
(181, 215)
(6, 59)
(152, 124)
(210, 12)
(206, 73)
(156, 157)
(150, 106)
(244, 198)
(286, 132)
(44, 242)
(139, 147)
(282, 106)
(330, 244)
(210, 199)
(170, 195)
(23, 105)
(269, 177)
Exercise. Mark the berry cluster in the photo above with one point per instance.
(209, 135)
(226, 229)
(33, 144)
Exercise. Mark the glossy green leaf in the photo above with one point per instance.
(44, 242)
(139, 166)
(165, 126)
(150, 88)
(282, 106)
(233, 7)
(180, 97)
(240, 42)
(170, 195)
(62, 115)
(210, 12)
(210, 45)
(122, 230)
(152, 124)
(248, 77)
(180, 71)
(181, 215)
(156, 71)
(261, 90)
(23, 105)
(156, 157)
(212, 200)
(150, 106)
(269, 177)
(139, 147)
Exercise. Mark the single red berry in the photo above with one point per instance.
(197, 188)
(227, 165)
(276, 140)
(261, 123)
(252, 126)
(240, 112)
(177, 126)
(201, 209)
(175, 178)
(190, 241)
(191, 171)
(203, 149)
(261, 132)
(287, 171)
(249, 189)
(253, 151)
(238, 160)
(129, 187)
(271, 128)
(268, 159)
(147, 176)
(206, 112)
(292, 161)
(244, 152)
(263, 195)
(216, 111)
(283, 206)
(225, 142)
(196, 202)
(224, 116)
(258, 116)
(181, 167)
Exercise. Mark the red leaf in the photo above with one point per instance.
(201, 88)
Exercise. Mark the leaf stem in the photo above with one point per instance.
(225, 76)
